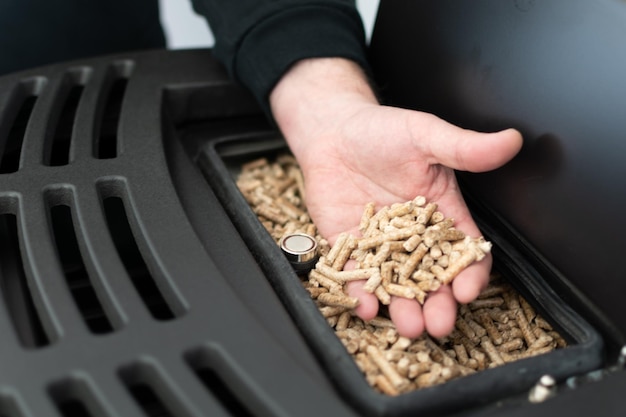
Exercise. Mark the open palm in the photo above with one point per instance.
(353, 151)
(388, 155)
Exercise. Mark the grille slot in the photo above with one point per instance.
(206, 364)
(24, 99)
(15, 291)
(149, 392)
(74, 269)
(215, 384)
(136, 267)
(106, 146)
(74, 397)
(58, 149)
(73, 408)
(149, 402)
(9, 407)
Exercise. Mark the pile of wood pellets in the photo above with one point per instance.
(405, 250)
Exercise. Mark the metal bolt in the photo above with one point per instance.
(544, 389)
(621, 359)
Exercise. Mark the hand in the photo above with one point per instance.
(352, 151)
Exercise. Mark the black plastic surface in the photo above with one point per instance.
(555, 70)
(126, 291)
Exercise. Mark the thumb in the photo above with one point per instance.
(468, 150)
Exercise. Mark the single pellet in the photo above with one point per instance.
(344, 253)
(343, 321)
(385, 386)
(329, 311)
(426, 212)
(529, 312)
(482, 303)
(316, 291)
(511, 345)
(367, 215)
(491, 350)
(414, 259)
(411, 243)
(461, 354)
(447, 275)
(490, 327)
(396, 380)
(465, 328)
(529, 336)
(337, 247)
(338, 300)
(383, 296)
(373, 282)
(400, 291)
(400, 209)
(328, 283)
(344, 276)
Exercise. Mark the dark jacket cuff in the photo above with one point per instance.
(275, 44)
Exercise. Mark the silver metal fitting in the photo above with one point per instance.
(300, 250)
(621, 359)
(544, 389)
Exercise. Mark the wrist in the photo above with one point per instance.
(313, 98)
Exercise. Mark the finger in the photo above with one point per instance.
(472, 280)
(368, 303)
(440, 312)
(467, 150)
(407, 315)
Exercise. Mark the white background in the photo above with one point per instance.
(184, 29)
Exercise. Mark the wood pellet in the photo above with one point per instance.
(405, 250)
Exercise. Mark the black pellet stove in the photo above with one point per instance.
(136, 281)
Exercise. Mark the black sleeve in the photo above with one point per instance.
(258, 40)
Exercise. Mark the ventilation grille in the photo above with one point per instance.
(15, 289)
(20, 106)
(75, 263)
(111, 304)
(63, 101)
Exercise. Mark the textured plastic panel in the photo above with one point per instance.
(126, 291)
